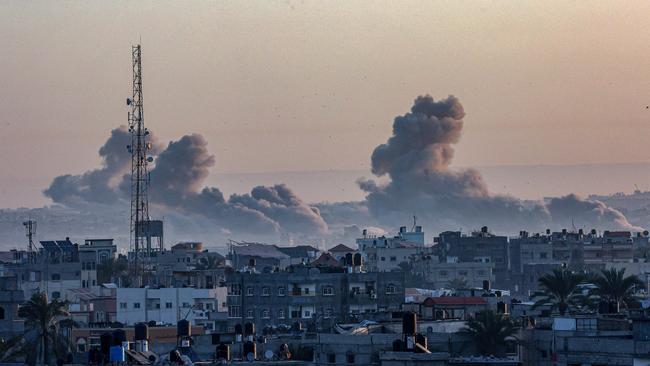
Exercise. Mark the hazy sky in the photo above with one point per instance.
(293, 85)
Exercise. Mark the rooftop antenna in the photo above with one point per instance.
(139, 170)
(415, 222)
(30, 231)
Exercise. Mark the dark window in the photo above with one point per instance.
(56, 295)
(2, 313)
(331, 358)
(56, 277)
(349, 358)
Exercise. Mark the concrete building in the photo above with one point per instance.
(480, 246)
(383, 254)
(169, 305)
(439, 274)
(308, 295)
(266, 257)
(11, 297)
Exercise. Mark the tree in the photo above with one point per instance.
(613, 286)
(458, 283)
(43, 317)
(559, 290)
(490, 331)
(111, 270)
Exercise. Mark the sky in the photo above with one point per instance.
(278, 86)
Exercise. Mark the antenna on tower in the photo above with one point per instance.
(30, 232)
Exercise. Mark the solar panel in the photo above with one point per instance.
(50, 246)
(65, 245)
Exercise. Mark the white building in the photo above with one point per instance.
(169, 305)
(383, 254)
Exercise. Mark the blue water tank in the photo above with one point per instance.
(117, 354)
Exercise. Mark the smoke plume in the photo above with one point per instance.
(96, 186)
(417, 159)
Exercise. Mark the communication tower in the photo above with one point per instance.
(30, 231)
(139, 171)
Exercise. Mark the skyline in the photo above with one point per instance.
(220, 78)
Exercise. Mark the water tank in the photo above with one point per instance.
(421, 339)
(484, 229)
(409, 323)
(117, 354)
(223, 352)
(106, 341)
(594, 232)
(250, 350)
(348, 259)
(486, 285)
(548, 231)
(502, 307)
(119, 337)
(398, 345)
(249, 329)
(183, 328)
(141, 332)
(357, 260)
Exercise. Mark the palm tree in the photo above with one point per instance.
(613, 286)
(559, 290)
(490, 332)
(43, 317)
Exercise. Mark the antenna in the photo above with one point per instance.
(30, 231)
(415, 223)
(139, 161)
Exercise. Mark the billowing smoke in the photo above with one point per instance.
(417, 159)
(180, 173)
(96, 186)
(177, 180)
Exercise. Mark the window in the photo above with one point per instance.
(234, 290)
(331, 358)
(250, 291)
(168, 305)
(56, 277)
(281, 314)
(328, 313)
(463, 273)
(383, 259)
(94, 283)
(234, 311)
(393, 259)
(349, 358)
(136, 305)
(282, 291)
(186, 304)
(306, 290)
(391, 289)
(56, 295)
(265, 314)
(250, 314)
(122, 305)
(328, 291)
(307, 314)
(266, 291)
(542, 255)
(2, 313)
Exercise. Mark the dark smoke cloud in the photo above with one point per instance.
(96, 186)
(417, 159)
(177, 182)
(177, 189)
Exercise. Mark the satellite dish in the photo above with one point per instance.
(250, 356)
(268, 355)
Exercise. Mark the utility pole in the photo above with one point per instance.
(139, 171)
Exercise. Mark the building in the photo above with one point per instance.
(340, 251)
(439, 274)
(383, 254)
(11, 297)
(480, 246)
(309, 295)
(169, 305)
(265, 257)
